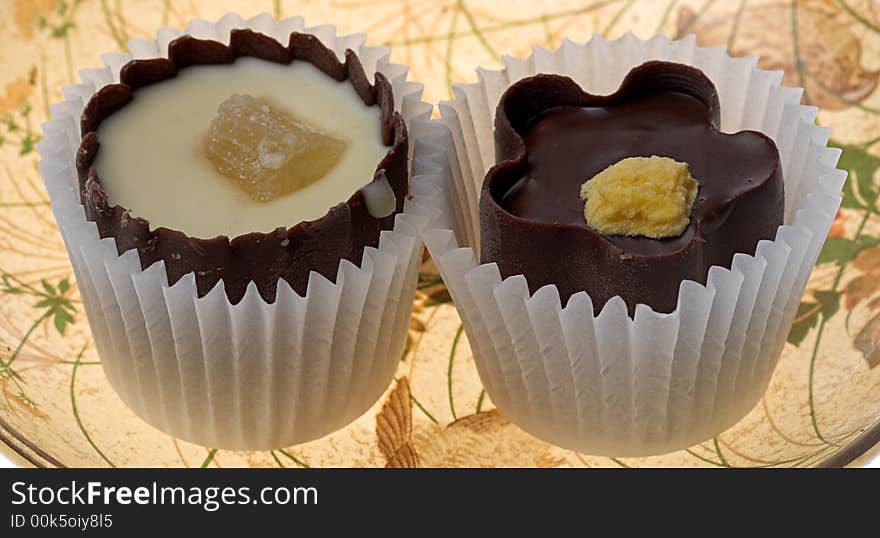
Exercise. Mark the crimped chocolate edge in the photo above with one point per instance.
(288, 253)
(577, 258)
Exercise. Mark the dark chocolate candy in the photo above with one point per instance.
(551, 137)
(291, 252)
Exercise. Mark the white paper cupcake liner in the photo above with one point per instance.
(252, 375)
(609, 384)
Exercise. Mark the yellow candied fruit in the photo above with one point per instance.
(640, 196)
(266, 151)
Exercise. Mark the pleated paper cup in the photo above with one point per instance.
(609, 384)
(251, 375)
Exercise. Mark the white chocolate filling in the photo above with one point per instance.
(379, 198)
(151, 161)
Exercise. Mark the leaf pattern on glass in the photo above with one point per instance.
(16, 123)
(861, 189)
(15, 94)
(394, 428)
(483, 440)
(867, 283)
(868, 341)
(838, 226)
(815, 42)
(28, 13)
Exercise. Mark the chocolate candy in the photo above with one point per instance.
(551, 137)
(290, 252)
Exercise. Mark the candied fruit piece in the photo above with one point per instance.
(266, 151)
(648, 196)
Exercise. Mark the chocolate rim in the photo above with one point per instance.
(231, 260)
(529, 97)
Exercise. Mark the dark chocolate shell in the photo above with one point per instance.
(551, 136)
(288, 253)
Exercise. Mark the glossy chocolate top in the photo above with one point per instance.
(569, 145)
(551, 137)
